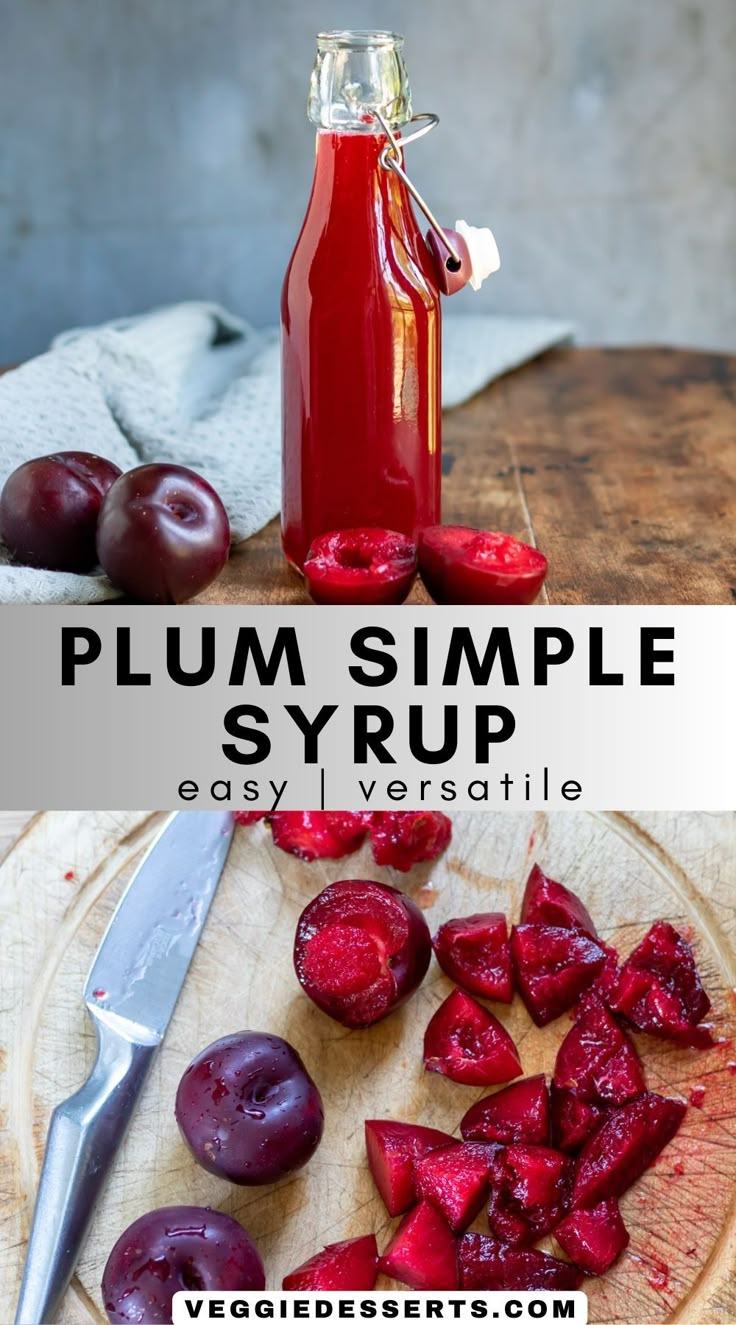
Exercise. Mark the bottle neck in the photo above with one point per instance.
(355, 74)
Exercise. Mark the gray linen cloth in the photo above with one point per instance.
(195, 385)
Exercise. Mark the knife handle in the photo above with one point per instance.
(84, 1134)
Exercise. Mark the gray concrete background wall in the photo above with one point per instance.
(153, 150)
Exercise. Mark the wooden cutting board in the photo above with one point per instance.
(58, 886)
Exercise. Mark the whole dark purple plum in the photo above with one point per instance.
(248, 1109)
(163, 534)
(49, 510)
(177, 1247)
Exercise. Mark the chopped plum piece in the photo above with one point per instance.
(393, 1150)
(531, 1187)
(604, 984)
(487, 1264)
(624, 1146)
(245, 817)
(319, 834)
(598, 1061)
(361, 566)
(474, 952)
(463, 565)
(466, 1043)
(659, 989)
(553, 966)
(594, 1238)
(422, 1252)
(347, 1267)
(547, 902)
(572, 1120)
(455, 1180)
(402, 838)
(517, 1114)
(361, 950)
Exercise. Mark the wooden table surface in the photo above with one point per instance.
(619, 464)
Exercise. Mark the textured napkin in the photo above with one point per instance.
(194, 385)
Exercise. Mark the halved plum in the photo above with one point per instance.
(594, 1238)
(659, 989)
(393, 1151)
(402, 838)
(531, 1189)
(474, 952)
(342, 1267)
(455, 1180)
(485, 1263)
(572, 1120)
(624, 1146)
(422, 1252)
(361, 566)
(598, 1061)
(553, 967)
(319, 834)
(468, 1044)
(361, 950)
(462, 565)
(517, 1114)
(547, 902)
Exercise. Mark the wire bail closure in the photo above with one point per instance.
(392, 157)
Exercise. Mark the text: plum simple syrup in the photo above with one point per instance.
(360, 317)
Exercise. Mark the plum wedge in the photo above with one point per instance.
(350, 1266)
(518, 1113)
(422, 1252)
(553, 967)
(598, 1061)
(572, 1119)
(531, 1188)
(595, 1238)
(319, 834)
(361, 950)
(455, 1180)
(488, 1264)
(403, 838)
(474, 952)
(468, 1044)
(546, 902)
(393, 1150)
(624, 1147)
(659, 989)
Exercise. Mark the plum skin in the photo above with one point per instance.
(163, 534)
(49, 509)
(248, 1109)
(174, 1248)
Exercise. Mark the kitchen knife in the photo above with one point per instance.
(130, 994)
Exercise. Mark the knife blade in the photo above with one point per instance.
(130, 993)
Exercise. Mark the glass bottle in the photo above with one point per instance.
(360, 316)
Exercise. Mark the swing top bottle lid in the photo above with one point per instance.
(356, 73)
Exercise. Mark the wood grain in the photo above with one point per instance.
(629, 871)
(619, 464)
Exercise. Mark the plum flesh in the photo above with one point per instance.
(361, 950)
(319, 834)
(474, 952)
(553, 966)
(547, 902)
(659, 989)
(403, 838)
(393, 1150)
(422, 1251)
(350, 1266)
(531, 1187)
(517, 1114)
(594, 1238)
(249, 1110)
(486, 1263)
(598, 1061)
(468, 1044)
(363, 566)
(624, 1146)
(455, 1180)
(179, 1247)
